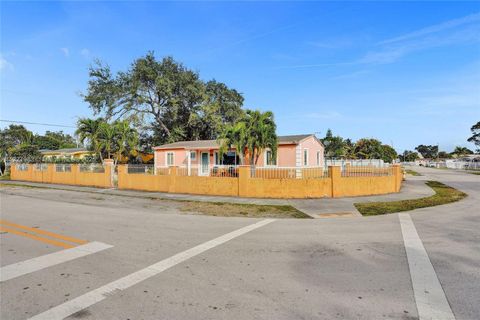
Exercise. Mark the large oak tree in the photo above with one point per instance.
(165, 98)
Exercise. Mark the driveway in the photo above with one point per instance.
(144, 259)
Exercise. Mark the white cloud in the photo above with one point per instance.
(5, 65)
(435, 28)
(65, 51)
(85, 52)
(452, 32)
(332, 43)
(465, 30)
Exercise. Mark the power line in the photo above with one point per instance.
(38, 123)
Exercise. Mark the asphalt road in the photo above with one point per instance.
(163, 265)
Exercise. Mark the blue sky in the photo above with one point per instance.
(406, 73)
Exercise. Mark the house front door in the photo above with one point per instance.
(205, 163)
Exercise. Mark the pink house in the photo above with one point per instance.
(304, 150)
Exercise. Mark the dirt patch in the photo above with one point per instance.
(242, 210)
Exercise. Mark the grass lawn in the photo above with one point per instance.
(443, 195)
(5, 177)
(474, 172)
(411, 172)
(223, 209)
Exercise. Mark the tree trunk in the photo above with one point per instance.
(164, 127)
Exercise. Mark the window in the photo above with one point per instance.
(269, 160)
(169, 159)
(216, 158)
(318, 158)
(193, 155)
(305, 157)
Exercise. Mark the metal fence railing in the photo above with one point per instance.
(359, 171)
(162, 171)
(225, 171)
(208, 171)
(453, 164)
(140, 169)
(288, 172)
(186, 171)
(463, 165)
(40, 167)
(230, 171)
(356, 162)
(21, 167)
(92, 168)
(63, 167)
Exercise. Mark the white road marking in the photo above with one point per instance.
(21, 268)
(84, 301)
(429, 295)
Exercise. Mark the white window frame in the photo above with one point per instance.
(318, 158)
(166, 158)
(305, 157)
(194, 154)
(265, 159)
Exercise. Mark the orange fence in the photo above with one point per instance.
(259, 183)
(73, 174)
(247, 182)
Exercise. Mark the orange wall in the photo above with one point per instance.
(74, 177)
(332, 185)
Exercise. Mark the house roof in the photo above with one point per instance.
(293, 139)
(65, 150)
(213, 144)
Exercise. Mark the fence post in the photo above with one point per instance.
(173, 179)
(397, 173)
(109, 170)
(13, 170)
(335, 174)
(243, 177)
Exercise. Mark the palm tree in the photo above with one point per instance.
(106, 139)
(251, 135)
(461, 151)
(127, 140)
(88, 129)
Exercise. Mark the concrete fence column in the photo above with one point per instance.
(13, 171)
(109, 171)
(397, 173)
(335, 173)
(173, 179)
(243, 180)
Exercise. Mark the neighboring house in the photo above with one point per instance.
(293, 151)
(67, 153)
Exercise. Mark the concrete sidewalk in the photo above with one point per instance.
(413, 188)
